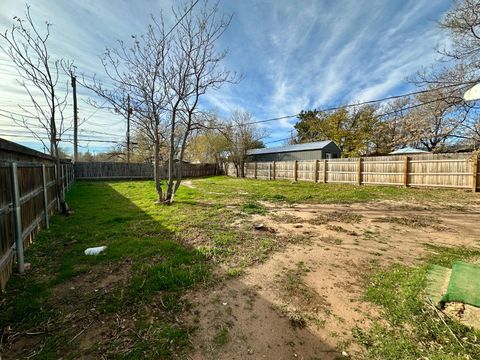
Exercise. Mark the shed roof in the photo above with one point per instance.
(408, 150)
(318, 145)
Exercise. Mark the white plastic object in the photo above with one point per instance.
(472, 93)
(95, 250)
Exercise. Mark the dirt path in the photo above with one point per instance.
(304, 302)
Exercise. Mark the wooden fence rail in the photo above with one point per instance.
(460, 171)
(115, 170)
(27, 199)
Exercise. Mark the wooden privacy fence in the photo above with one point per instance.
(461, 171)
(27, 199)
(114, 170)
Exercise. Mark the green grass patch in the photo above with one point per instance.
(227, 189)
(254, 208)
(142, 244)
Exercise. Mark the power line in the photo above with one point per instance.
(18, 114)
(275, 141)
(19, 128)
(25, 125)
(26, 116)
(366, 102)
(96, 110)
(66, 139)
(384, 114)
(179, 20)
(26, 133)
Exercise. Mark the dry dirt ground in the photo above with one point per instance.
(304, 301)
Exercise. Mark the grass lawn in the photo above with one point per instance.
(65, 305)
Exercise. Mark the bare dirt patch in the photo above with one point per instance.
(78, 300)
(305, 300)
(466, 314)
(189, 184)
(99, 279)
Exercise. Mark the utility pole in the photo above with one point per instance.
(129, 112)
(75, 117)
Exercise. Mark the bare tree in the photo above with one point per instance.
(166, 74)
(242, 136)
(458, 70)
(135, 72)
(391, 131)
(438, 119)
(462, 23)
(192, 68)
(27, 47)
(209, 144)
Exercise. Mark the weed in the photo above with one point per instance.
(320, 323)
(336, 216)
(414, 221)
(222, 337)
(278, 197)
(287, 219)
(370, 234)
(235, 272)
(297, 320)
(254, 208)
(341, 229)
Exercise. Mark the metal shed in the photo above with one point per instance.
(408, 151)
(308, 151)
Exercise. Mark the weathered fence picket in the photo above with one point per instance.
(459, 171)
(27, 198)
(115, 170)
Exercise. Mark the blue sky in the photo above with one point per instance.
(293, 55)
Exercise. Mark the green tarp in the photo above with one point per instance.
(464, 284)
(437, 283)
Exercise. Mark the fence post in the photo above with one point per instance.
(475, 172)
(359, 171)
(17, 217)
(67, 177)
(45, 196)
(255, 169)
(273, 170)
(295, 170)
(315, 171)
(325, 163)
(62, 168)
(405, 171)
(57, 181)
(70, 177)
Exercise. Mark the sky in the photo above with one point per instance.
(293, 55)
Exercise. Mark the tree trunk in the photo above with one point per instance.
(180, 164)
(237, 174)
(58, 182)
(241, 165)
(156, 172)
(171, 160)
(170, 182)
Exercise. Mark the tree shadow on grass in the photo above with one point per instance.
(125, 302)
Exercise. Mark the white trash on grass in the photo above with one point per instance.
(95, 250)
